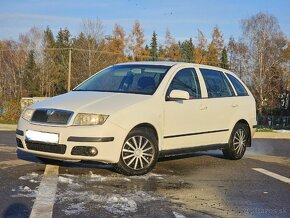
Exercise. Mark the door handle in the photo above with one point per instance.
(235, 105)
(203, 107)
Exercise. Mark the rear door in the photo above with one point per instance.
(220, 104)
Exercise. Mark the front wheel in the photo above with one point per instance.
(139, 153)
(238, 142)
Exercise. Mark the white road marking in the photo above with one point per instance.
(274, 175)
(43, 204)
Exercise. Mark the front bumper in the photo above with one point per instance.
(107, 139)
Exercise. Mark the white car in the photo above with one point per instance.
(132, 113)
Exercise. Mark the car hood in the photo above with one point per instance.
(92, 102)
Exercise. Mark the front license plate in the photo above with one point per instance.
(41, 136)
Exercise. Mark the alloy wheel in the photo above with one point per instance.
(138, 152)
(239, 141)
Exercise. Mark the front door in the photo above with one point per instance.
(183, 118)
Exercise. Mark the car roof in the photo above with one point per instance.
(159, 63)
(174, 63)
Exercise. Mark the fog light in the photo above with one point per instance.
(93, 151)
(84, 151)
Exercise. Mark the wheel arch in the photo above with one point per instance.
(148, 126)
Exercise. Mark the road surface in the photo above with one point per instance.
(202, 184)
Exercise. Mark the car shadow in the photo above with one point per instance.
(98, 165)
(214, 153)
(16, 210)
(63, 163)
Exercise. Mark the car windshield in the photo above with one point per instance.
(137, 79)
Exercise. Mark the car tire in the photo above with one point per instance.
(139, 153)
(238, 142)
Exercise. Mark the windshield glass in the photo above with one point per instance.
(138, 79)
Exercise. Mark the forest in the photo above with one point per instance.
(41, 63)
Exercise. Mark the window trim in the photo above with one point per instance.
(198, 83)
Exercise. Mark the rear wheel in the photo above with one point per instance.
(238, 142)
(139, 153)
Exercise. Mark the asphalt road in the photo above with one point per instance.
(202, 184)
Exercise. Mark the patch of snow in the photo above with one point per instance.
(149, 176)
(178, 215)
(127, 179)
(27, 189)
(65, 180)
(141, 196)
(96, 177)
(24, 191)
(282, 131)
(75, 209)
(32, 177)
(119, 205)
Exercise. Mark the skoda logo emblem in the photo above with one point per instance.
(50, 112)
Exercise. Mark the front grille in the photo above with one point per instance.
(50, 148)
(51, 116)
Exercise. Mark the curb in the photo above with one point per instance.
(8, 127)
(272, 135)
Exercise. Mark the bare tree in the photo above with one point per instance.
(200, 50)
(238, 58)
(93, 31)
(266, 43)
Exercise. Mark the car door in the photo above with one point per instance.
(183, 118)
(221, 105)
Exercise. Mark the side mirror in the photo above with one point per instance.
(178, 95)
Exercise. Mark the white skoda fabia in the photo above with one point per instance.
(130, 114)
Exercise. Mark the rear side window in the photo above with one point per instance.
(185, 80)
(241, 91)
(216, 84)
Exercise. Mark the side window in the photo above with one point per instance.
(216, 84)
(241, 91)
(186, 80)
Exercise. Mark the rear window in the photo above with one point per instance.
(240, 89)
(216, 84)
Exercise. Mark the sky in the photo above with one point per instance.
(182, 17)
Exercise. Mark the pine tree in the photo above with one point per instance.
(49, 62)
(224, 59)
(153, 47)
(187, 50)
(63, 44)
(31, 80)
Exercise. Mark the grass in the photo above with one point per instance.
(264, 129)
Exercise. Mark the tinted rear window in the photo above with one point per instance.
(241, 91)
(216, 84)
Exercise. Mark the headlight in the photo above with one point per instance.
(90, 119)
(27, 114)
